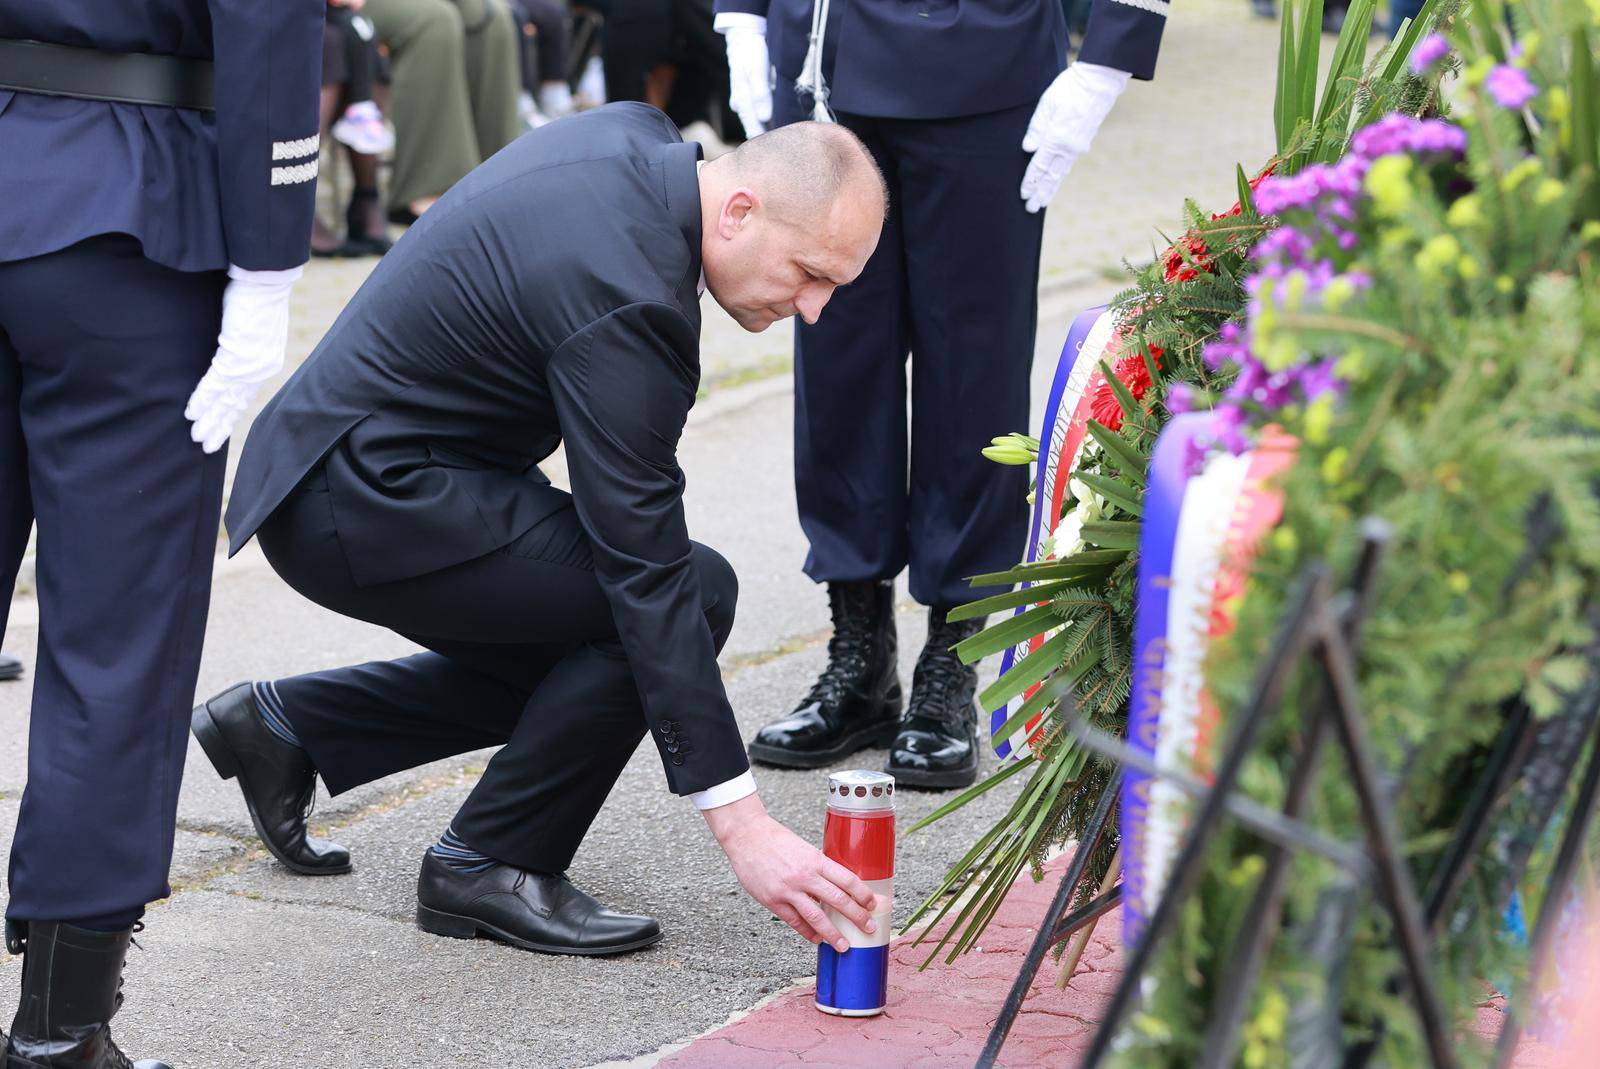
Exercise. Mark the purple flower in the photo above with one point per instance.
(1180, 399)
(1510, 86)
(1429, 51)
(1318, 379)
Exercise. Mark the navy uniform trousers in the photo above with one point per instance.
(954, 281)
(522, 654)
(99, 350)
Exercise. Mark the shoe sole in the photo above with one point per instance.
(223, 760)
(861, 739)
(453, 926)
(935, 781)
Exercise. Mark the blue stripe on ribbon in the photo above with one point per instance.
(1076, 336)
(1163, 503)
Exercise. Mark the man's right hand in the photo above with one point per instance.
(749, 74)
(788, 875)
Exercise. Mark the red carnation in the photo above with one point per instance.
(1132, 372)
(1177, 269)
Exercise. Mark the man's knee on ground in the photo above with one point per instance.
(719, 590)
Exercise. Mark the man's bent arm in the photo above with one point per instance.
(622, 389)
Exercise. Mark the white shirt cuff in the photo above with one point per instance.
(739, 20)
(742, 786)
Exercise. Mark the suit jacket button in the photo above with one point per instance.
(672, 747)
(677, 760)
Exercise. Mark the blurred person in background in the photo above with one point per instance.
(542, 56)
(974, 122)
(350, 64)
(453, 92)
(667, 54)
(158, 169)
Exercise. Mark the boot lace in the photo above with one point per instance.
(850, 648)
(940, 683)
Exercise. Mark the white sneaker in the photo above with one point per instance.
(555, 99)
(592, 86)
(361, 127)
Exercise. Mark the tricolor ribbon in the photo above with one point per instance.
(1198, 538)
(1065, 428)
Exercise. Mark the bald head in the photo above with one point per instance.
(786, 218)
(805, 167)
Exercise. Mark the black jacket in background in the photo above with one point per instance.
(549, 297)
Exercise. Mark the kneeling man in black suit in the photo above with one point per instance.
(550, 297)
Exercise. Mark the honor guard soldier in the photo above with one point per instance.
(963, 103)
(157, 164)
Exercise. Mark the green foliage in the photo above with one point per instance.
(1472, 404)
(1084, 600)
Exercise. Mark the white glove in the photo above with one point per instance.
(255, 332)
(749, 69)
(1065, 122)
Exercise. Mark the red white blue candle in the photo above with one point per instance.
(859, 834)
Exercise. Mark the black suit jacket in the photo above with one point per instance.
(550, 296)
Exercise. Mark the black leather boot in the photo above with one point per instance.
(278, 780)
(532, 910)
(937, 746)
(71, 987)
(856, 701)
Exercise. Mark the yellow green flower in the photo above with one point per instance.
(1319, 419)
(1458, 582)
(1333, 464)
(1438, 255)
(1549, 192)
(1520, 173)
(1336, 294)
(1465, 212)
(1388, 182)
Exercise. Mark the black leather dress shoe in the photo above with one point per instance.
(531, 910)
(278, 780)
(71, 988)
(937, 746)
(856, 701)
(10, 667)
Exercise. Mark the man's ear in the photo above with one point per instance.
(737, 210)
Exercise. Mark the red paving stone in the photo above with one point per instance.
(938, 1018)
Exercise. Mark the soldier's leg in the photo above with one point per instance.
(127, 511)
(972, 265)
(850, 405)
(435, 141)
(16, 504)
(491, 43)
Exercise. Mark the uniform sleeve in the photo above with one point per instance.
(622, 389)
(746, 7)
(1125, 34)
(268, 79)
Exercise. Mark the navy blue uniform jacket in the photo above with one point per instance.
(549, 297)
(199, 190)
(942, 59)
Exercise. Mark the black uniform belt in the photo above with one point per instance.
(121, 77)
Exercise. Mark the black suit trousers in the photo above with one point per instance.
(954, 285)
(99, 350)
(522, 654)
